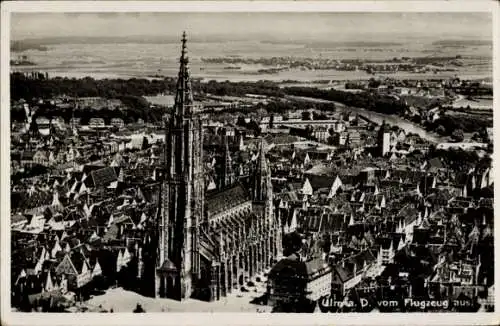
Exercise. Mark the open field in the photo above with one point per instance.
(146, 60)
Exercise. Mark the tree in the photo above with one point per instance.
(476, 137)
(309, 130)
(441, 130)
(241, 121)
(483, 135)
(458, 135)
(145, 143)
(416, 119)
(319, 116)
(306, 115)
(292, 243)
(455, 159)
(373, 83)
(271, 121)
(139, 309)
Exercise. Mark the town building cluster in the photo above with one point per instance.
(336, 213)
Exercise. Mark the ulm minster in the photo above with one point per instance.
(358, 195)
(209, 243)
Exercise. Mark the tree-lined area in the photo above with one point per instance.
(24, 87)
(366, 100)
(456, 125)
(131, 92)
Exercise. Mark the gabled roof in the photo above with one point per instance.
(332, 222)
(385, 243)
(353, 264)
(66, 266)
(343, 274)
(79, 260)
(321, 181)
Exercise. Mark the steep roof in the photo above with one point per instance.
(321, 181)
(220, 201)
(78, 260)
(101, 177)
(88, 169)
(66, 266)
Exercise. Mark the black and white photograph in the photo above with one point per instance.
(324, 163)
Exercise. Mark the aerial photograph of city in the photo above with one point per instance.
(263, 162)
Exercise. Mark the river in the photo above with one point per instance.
(378, 118)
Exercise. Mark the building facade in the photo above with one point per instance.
(208, 242)
(294, 280)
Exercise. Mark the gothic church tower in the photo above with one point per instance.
(182, 192)
(262, 196)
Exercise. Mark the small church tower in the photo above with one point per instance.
(384, 139)
(226, 177)
(262, 187)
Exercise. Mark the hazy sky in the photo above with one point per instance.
(323, 26)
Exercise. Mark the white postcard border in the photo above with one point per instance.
(192, 318)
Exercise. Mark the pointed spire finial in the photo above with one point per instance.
(184, 40)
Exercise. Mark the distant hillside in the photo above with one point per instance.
(21, 46)
(462, 43)
(327, 44)
(140, 39)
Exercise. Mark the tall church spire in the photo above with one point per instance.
(182, 190)
(184, 96)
